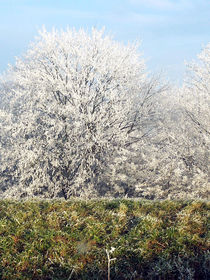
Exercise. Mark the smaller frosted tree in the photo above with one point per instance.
(196, 103)
(197, 92)
(77, 101)
(176, 164)
(188, 129)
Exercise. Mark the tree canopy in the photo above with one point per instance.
(81, 116)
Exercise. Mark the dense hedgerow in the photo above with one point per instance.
(68, 240)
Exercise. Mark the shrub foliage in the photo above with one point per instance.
(68, 240)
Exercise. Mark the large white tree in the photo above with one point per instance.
(78, 100)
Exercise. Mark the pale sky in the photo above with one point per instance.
(171, 31)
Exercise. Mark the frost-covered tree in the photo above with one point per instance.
(184, 139)
(195, 100)
(78, 100)
(175, 162)
(197, 92)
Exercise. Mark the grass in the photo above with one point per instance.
(70, 240)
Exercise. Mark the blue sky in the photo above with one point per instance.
(171, 31)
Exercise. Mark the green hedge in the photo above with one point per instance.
(68, 240)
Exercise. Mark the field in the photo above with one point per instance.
(104, 239)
